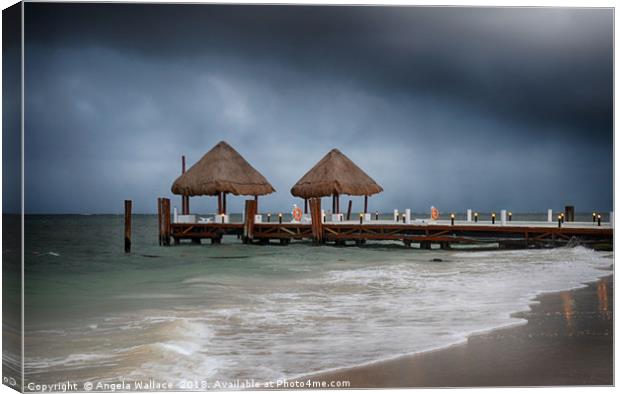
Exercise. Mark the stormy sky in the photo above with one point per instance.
(483, 108)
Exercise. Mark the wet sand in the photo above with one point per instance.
(568, 340)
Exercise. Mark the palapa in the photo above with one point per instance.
(222, 170)
(335, 174)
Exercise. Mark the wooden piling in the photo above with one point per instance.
(166, 221)
(248, 224)
(127, 226)
(316, 220)
(159, 219)
(184, 199)
(365, 204)
(349, 210)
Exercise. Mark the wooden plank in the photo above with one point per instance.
(187, 230)
(330, 230)
(287, 230)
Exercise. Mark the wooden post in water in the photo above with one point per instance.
(159, 218)
(349, 210)
(248, 224)
(184, 198)
(127, 226)
(317, 222)
(166, 221)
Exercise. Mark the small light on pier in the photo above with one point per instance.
(510, 216)
(452, 219)
(280, 218)
(376, 215)
(361, 217)
(559, 221)
(599, 219)
(593, 217)
(476, 217)
(268, 217)
(493, 218)
(562, 215)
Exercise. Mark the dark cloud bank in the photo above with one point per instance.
(455, 107)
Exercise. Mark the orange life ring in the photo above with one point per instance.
(434, 213)
(297, 214)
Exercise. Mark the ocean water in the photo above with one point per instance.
(234, 311)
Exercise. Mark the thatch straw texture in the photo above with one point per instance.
(335, 174)
(222, 169)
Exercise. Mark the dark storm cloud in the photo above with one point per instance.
(460, 107)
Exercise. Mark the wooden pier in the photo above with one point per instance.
(513, 234)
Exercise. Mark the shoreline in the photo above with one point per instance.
(571, 328)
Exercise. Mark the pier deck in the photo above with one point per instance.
(423, 232)
(512, 234)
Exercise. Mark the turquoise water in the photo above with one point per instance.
(234, 311)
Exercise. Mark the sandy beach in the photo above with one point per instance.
(568, 340)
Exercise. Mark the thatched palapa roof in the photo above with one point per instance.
(222, 169)
(335, 174)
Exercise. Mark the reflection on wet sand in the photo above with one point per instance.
(567, 309)
(603, 301)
